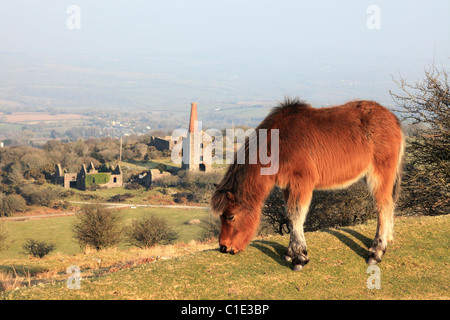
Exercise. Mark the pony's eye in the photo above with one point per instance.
(230, 218)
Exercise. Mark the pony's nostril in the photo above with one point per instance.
(223, 248)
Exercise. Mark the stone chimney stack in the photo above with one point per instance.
(193, 121)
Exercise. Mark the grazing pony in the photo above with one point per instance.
(319, 148)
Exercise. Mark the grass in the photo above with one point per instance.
(414, 267)
(151, 164)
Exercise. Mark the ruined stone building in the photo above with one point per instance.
(163, 143)
(87, 177)
(146, 178)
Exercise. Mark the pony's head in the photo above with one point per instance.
(238, 221)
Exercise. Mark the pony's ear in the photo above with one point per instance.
(230, 196)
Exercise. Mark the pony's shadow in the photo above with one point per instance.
(362, 251)
(275, 250)
(272, 249)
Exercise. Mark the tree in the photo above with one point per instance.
(426, 105)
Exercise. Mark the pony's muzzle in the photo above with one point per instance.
(225, 249)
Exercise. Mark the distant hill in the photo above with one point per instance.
(220, 84)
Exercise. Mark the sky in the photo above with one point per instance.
(361, 40)
(409, 28)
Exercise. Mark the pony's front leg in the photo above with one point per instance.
(296, 251)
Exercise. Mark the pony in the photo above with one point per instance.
(319, 148)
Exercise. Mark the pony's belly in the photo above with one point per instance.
(336, 183)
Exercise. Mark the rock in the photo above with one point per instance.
(194, 221)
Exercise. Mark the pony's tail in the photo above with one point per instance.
(398, 177)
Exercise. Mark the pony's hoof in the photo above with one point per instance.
(373, 259)
(297, 267)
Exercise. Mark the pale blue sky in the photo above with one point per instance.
(410, 28)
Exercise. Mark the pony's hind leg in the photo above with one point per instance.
(382, 190)
(297, 208)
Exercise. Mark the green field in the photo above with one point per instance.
(414, 267)
(59, 230)
(4, 126)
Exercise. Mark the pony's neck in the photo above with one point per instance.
(256, 189)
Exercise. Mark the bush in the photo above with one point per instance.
(210, 229)
(147, 232)
(180, 197)
(38, 249)
(161, 167)
(97, 227)
(35, 195)
(62, 205)
(11, 203)
(121, 197)
(88, 196)
(66, 193)
(167, 181)
(337, 208)
(133, 186)
(199, 181)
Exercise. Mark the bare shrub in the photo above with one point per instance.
(426, 106)
(38, 249)
(273, 216)
(98, 227)
(133, 186)
(350, 206)
(210, 229)
(338, 208)
(180, 197)
(121, 197)
(149, 231)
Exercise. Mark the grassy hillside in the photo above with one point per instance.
(415, 267)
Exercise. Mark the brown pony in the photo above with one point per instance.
(325, 148)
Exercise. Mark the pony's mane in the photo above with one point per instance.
(235, 176)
